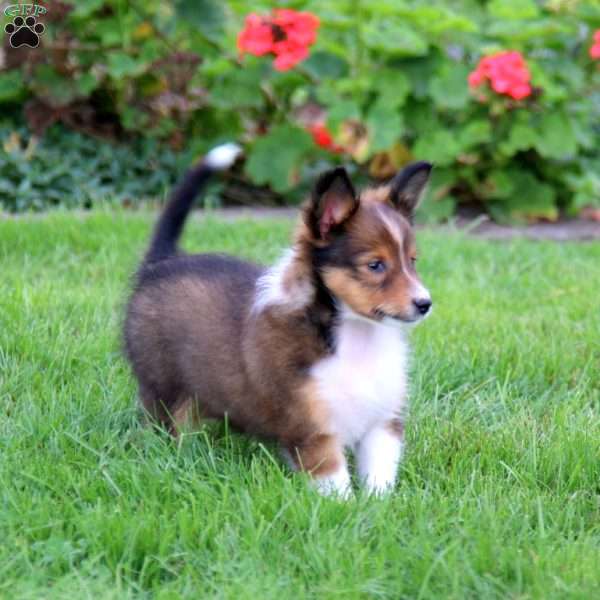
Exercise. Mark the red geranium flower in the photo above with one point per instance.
(595, 48)
(507, 73)
(322, 137)
(300, 27)
(288, 56)
(286, 33)
(257, 37)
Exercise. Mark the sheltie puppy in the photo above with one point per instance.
(311, 352)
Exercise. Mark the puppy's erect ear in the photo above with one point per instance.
(407, 187)
(333, 202)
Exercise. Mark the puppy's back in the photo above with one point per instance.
(183, 331)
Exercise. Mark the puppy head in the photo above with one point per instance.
(363, 247)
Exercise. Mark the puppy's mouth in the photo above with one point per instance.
(380, 315)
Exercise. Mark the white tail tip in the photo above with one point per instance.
(223, 156)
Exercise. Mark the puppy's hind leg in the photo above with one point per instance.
(159, 410)
(187, 416)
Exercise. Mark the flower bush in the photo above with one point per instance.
(502, 96)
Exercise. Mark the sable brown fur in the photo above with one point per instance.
(200, 348)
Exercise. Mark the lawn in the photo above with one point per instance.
(498, 497)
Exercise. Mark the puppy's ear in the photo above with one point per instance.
(407, 187)
(333, 202)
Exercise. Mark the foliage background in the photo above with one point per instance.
(149, 85)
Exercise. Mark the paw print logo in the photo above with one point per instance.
(24, 32)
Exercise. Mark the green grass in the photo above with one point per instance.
(498, 497)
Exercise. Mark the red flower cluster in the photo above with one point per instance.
(286, 33)
(595, 48)
(322, 137)
(507, 73)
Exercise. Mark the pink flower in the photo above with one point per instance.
(256, 37)
(595, 48)
(518, 92)
(300, 27)
(476, 78)
(506, 72)
(286, 33)
(288, 55)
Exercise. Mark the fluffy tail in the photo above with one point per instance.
(169, 226)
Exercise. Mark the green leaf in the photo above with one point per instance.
(521, 137)
(385, 126)
(500, 183)
(84, 8)
(438, 204)
(435, 211)
(583, 131)
(207, 16)
(86, 84)
(326, 65)
(392, 85)
(520, 196)
(239, 88)
(122, 65)
(275, 157)
(440, 147)
(553, 90)
(558, 139)
(567, 71)
(437, 19)
(449, 87)
(475, 133)
(342, 111)
(589, 12)
(394, 38)
(513, 9)
(523, 31)
(420, 117)
(585, 188)
(420, 72)
(109, 30)
(56, 89)
(356, 87)
(12, 87)
(385, 8)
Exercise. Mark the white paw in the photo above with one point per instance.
(377, 459)
(337, 484)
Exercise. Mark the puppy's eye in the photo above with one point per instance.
(377, 266)
(413, 260)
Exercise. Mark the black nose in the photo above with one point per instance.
(423, 305)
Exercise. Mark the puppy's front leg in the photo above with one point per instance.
(378, 455)
(322, 456)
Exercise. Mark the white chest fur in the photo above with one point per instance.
(364, 381)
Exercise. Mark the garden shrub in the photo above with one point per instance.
(378, 84)
(73, 170)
